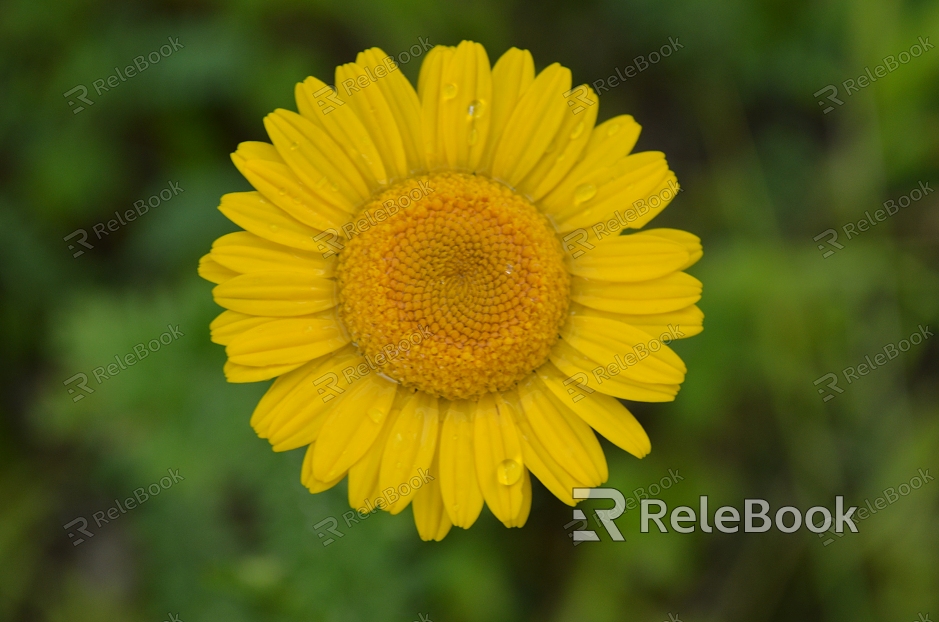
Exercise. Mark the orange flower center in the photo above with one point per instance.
(453, 284)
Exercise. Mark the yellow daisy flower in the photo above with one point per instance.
(437, 280)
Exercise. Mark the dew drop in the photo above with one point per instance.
(282, 192)
(509, 269)
(584, 192)
(293, 146)
(375, 414)
(613, 130)
(508, 472)
(449, 91)
(476, 108)
(577, 131)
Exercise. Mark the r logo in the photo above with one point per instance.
(833, 384)
(81, 529)
(606, 517)
(83, 91)
(82, 241)
(82, 384)
(581, 379)
(330, 94)
(581, 534)
(582, 91)
(331, 529)
(331, 381)
(832, 241)
(334, 246)
(582, 242)
(831, 88)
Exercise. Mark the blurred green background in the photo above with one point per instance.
(764, 169)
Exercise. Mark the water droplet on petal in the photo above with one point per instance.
(577, 131)
(282, 192)
(375, 414)
(584, 192)
(613, 129)
(476, 108)
(449, 91)
(293, 146)
(508, 472)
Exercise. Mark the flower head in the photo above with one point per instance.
(438, 282)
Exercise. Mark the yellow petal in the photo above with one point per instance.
(320, 163)
(403, 101)
(543, 465)
(568, 144)
(524, 508)
(630, 258)
(583, 375)
(363, 475)
(666, 327)
(230, 324)
(353, 426)
(410, 447)
(310, 384)
(602, 412)
(245, 373)
(245, 252)
(286, 341)
(328, 109)
(622, 191)
(276, 293)
(251, 211)
(430, 517)
(609, 143)
(301, 415)
(499, 463)
(458, 481)
(668, 293)
(214, 272)
(690, 241)
(464, 112)
(569, 441)
(271, 176)
(605, 339)
(370, 106)
(306, 474)
(512, 74)
(429, 90)
(532, 126)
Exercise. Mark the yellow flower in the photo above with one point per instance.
(438, 281)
